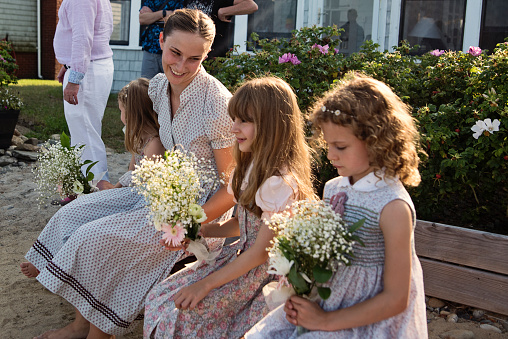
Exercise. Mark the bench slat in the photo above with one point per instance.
(472, 248)
(466, 286)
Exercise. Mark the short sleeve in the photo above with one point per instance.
(276, 195)
(157, 91)
(217, 121)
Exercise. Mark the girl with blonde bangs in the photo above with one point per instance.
(279, 142)
(224, 299)
(371, 142)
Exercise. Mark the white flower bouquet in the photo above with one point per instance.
(58, 171)
(172, 185)
(311, 241)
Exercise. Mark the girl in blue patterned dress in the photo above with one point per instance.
(101, 252)
(224, 299)
(372, 141)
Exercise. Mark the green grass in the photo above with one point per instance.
(43, 112)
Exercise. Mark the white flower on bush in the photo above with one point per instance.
(279, 265)
(485, 125)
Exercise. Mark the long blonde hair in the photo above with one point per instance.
(279, 145)
(377, 116)
(140, 118)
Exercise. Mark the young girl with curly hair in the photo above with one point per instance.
(372, 142)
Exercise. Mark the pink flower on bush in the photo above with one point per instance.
(288, 57)
(336, 50)
(173, 235)
(322, 49)
(474, 51)
(437, 52)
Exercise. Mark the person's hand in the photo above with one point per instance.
(103, 184)
(222, 17)
(61, 74)
(145, 9)
(183, 245)
(305, 313)
(71, 93)
(188, 297)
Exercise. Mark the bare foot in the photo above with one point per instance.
(29, 270)
(71, 331)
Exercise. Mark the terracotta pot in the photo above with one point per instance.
(8, 121)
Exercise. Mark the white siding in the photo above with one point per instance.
(18, 20)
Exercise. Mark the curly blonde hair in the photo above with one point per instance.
(378, 117)
(279, 145)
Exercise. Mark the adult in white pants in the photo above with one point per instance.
(85, 118)
(81, 45)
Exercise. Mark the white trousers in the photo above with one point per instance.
(85, 118)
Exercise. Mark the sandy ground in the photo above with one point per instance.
(27, 309)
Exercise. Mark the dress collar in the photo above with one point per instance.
(368, 183)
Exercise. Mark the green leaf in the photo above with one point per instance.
(356, 225)
(321, 274)
(90, 167)
(297, 281)
(324, 292)
(65, 140)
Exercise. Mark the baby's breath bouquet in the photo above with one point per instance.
(58, 171)
(311, 241)
(172, 185)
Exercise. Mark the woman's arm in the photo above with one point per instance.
(396, 224)
(189, 297)
(239, 7)
(225, 229)
(221, 201)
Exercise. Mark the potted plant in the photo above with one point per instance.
(10, 103)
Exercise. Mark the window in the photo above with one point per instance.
(354, 17)
(494, 26)
(121, 22)
(433, 24)
(273, 19)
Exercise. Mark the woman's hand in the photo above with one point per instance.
(183, 245)
(188, 297)
(305, 313)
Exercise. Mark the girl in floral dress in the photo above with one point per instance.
(101, 252)
(372, 141)
(224, 299)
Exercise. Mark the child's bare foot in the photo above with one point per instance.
(71, 331)
(29, 270)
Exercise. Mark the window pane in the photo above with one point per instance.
(273, 19)
(355, 17)
(121, 22)
(433, 24)
(494, 23)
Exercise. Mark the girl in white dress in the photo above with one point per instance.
(372, 141)
(224, 299)
(101, 252)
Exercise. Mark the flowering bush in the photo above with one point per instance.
(449, 92)
(311, 242)
(58, 171)
(8, 64)
(172, 185)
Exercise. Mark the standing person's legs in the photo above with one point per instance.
(85, 119)
(151, 65)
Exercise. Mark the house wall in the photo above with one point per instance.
(127, 67)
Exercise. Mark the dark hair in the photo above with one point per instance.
(190, 20)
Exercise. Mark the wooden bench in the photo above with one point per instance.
(465, 266)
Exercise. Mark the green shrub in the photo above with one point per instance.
(463, 178)
(8, 64)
